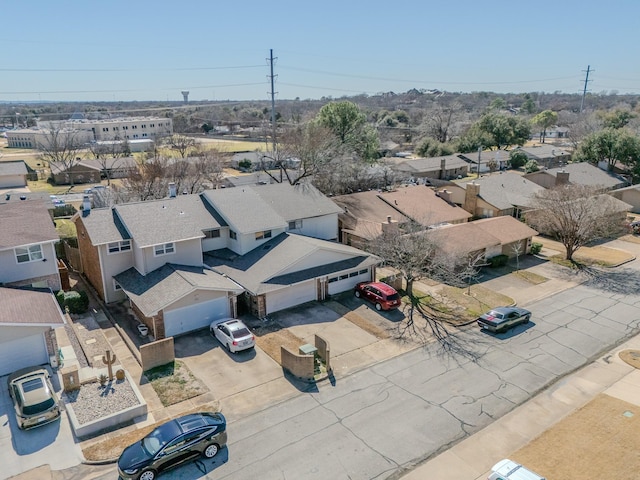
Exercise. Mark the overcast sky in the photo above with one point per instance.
(217, 49)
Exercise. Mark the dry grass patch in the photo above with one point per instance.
(598, 255)
(174, 383)
(631, 238)
(530, 277)
(632, 357)
(365, 325)
(113, 447)
(467, 307)
(598, 441)
(271, 337)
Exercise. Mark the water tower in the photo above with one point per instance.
(185, 96)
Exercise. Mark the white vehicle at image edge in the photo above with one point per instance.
(233, 334)
(509, 470)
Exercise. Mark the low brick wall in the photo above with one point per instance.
(324, 351)
(300, 366)
(157, 353)
(109, 421)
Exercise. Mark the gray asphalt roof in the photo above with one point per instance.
(431, 164)
(505, 190)
(24, 223)
(167, 220)
(295, 202)
(273, 265)
(102, 227)
(244, 210)
(584, 173)
(16, 167)
(29, 307)
(169, 283)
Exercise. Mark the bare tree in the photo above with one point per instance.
(181, 144)
(416, 255)
(576, 215)
(60, 145)
(149, 182)
(438, 122)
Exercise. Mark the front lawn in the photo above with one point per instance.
(174, 383)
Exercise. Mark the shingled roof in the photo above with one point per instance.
(25, 223)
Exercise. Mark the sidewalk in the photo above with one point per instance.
(473, 458)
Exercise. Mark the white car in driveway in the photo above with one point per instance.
(233, 334)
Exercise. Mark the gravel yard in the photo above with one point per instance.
(92, 401)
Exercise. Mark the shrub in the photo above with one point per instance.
(498, 261)
(120, 374)
(535, 248)
(76, 302)
(244, 164)
(518, 158)
(531, 166)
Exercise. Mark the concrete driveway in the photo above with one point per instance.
(242, 381)
(51, 444)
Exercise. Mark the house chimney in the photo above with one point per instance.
(562, 178)
(86, 205)
(172, 190)
(445, 195)
(390, 226)
(471, 198)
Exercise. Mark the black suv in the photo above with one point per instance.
(173, 443)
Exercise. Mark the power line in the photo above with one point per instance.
(102, 70)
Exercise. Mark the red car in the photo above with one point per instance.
(380, 294)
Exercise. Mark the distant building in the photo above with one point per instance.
(87, 131)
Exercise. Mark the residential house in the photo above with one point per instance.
(365, 215)
(547, 156)
(580, 173)
(27, 262)
(13, 174)
(92, 170)
(485, 238)
(629, 195)
(503, 193)
(481, 161)
(27, 245)
(27, 319)
(442, 168)
(182, 261)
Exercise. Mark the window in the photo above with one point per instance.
(212, 233)
(233, 235)
(333, 279)
(362, 272)
(29, 254)
(343, 277)
(121, 246)
(353, 274)
(152, 125)
(164, 249)
(262, 235)
(295, 225)
(144, 126)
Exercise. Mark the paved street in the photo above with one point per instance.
(380, 422)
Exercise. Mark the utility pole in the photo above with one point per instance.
(586, 81)
(272, 78)
(479, 160)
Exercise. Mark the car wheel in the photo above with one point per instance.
(527, 318)
(228, 347)
(211, 450)
(357, 293)
(378, 307)
(147, 475)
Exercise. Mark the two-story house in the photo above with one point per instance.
(28, 274)
(183, 261)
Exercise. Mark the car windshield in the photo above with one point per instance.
(394, 296)
(38, 407)
(162, 435)
(241, 332)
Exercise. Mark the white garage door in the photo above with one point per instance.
(23, 352)
(346, 281)
(291, 296)
(187, 319)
